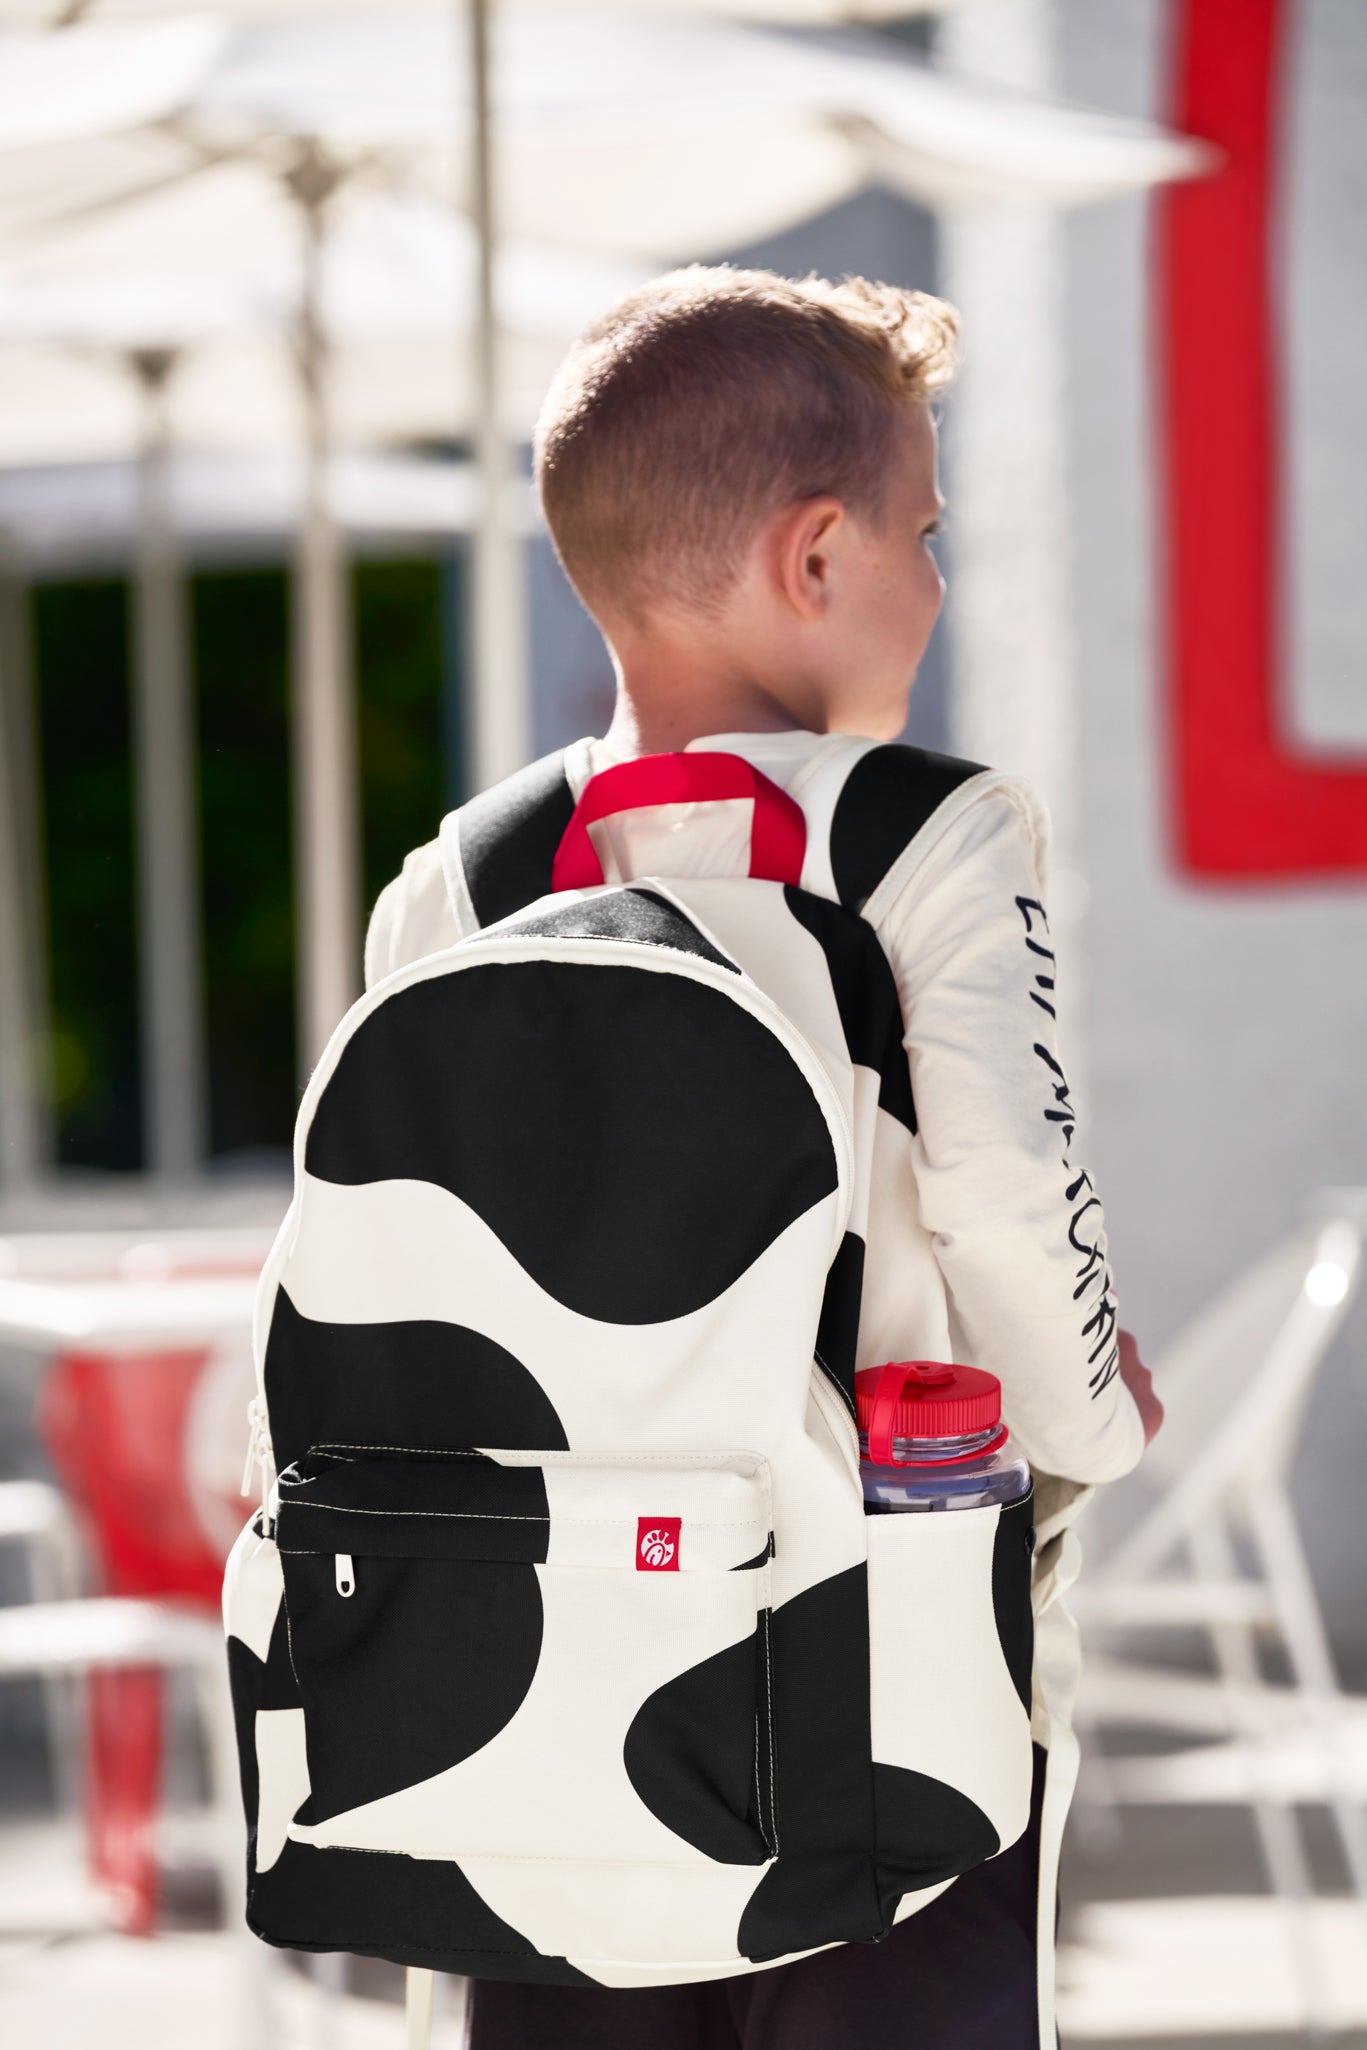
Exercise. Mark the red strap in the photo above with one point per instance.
(778, 831)
(892, 1379)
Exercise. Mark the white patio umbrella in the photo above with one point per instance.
(390, 285)
(213, 266)
(106, 78)
(619, 130)
(624, 127)
(226, 504)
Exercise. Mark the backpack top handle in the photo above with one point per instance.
(778, 831)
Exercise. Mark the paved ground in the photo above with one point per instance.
(187, 1992)
(1169, 1938)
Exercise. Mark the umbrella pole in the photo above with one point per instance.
(323, 741)
(26, 1139)
(170, 942)
(498, 716)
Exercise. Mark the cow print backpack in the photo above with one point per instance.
(561, 1648)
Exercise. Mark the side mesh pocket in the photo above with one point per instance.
(950, 1644)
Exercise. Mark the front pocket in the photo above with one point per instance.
(532, 1655)
(950, 1633)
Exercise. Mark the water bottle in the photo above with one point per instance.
(931, 1437)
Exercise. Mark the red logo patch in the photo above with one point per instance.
(657, 1544)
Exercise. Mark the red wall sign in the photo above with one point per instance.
(1247, 802)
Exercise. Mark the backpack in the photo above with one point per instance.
(562, 1649)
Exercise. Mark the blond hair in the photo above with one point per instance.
(708, 399)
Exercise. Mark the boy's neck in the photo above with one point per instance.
(673, 703)
(635, 730)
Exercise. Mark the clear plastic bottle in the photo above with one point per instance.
(931, 1437)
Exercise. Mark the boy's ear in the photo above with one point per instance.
(807, 539)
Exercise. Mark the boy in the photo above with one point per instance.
(739, 473)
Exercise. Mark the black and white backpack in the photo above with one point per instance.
(562, 1649)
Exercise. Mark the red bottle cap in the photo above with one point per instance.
(924, 1399)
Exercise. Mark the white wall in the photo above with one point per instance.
(1227, 1024)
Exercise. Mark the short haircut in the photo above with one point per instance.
(705, 401)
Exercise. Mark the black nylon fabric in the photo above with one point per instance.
(412, 1911)
(837, 1334)
(690, 1753)
(509, 836)
(631, 913)
(888, 796)
(461, 1506)
(387, 1700)
(689, 1122)
(1013, 1551)
(820, 1886)
(256, 1684)
(866, 996)
(420, 1382)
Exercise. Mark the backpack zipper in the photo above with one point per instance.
(831, 1399)
(346, 1574)
(260, 1453)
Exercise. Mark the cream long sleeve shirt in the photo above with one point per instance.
(1007, 1206)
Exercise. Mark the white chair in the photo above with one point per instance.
(63, 1639)
(34, 1518)
(1236, 1385)
(110, 1292)
(142, 1289)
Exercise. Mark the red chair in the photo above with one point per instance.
(116, 1426)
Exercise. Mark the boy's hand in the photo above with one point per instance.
(1139, 1381)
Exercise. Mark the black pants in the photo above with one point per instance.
(958, 1976)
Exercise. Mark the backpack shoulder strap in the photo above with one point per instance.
(888, 795)
(497, 849)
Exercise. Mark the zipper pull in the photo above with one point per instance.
(346, 1574)
(260, 1451)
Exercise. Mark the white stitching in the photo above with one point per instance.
(427, 1451)
(559, 1457)
(712, 1460)
(492, 1516)
(769, 1688)
(835, 1381)
(759, 1791)
(289, 1647)
(496, 1857)
(462, 1515)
